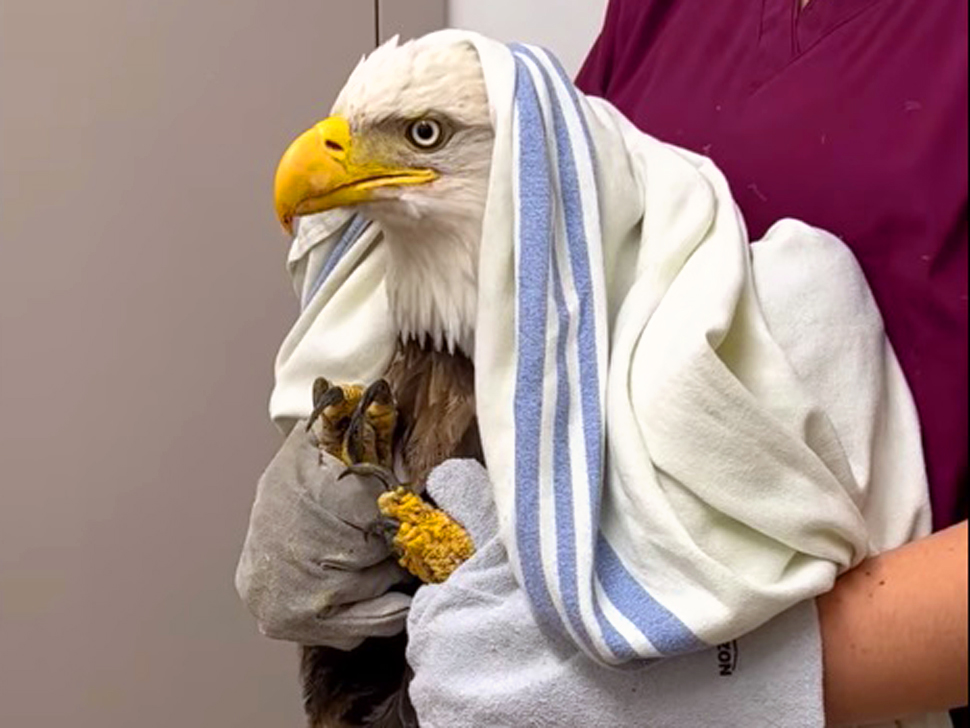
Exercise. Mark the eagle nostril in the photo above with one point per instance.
(332, 145)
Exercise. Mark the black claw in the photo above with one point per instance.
(384, 528)
(320, 386)
(323, 396)
(387, 477)
(381, 527)
(430, 500)
(362, 529)
(378, 392)
(354, 437)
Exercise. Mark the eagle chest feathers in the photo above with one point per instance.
(435, 394)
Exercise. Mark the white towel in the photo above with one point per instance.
(665, 479)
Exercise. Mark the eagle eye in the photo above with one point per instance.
(426, 134)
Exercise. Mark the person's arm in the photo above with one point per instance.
(894, 632)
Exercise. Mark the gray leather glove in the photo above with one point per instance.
(305, 573)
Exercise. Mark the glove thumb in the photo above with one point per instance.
(463, 490)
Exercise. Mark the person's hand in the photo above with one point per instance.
(307, 571)
(479, 658)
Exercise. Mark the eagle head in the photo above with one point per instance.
(408, 143)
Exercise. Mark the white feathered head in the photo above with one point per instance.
(409, 143)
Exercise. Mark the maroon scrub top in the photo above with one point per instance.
(848, 114)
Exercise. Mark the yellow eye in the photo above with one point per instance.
(426, 134)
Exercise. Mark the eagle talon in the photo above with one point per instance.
(357, 424)
(323, 396)
(333, 406)
(427, 541)
(370, 433)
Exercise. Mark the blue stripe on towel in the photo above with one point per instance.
(562, 475)
(350, 235)
(532, 279)
(572, 210)
(536, 256)
(665, 631)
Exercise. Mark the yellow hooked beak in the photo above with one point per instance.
(322, 169)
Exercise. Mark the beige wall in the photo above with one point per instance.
(409, 18)
(142, 298)
(568, 29)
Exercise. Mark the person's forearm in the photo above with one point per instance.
(894, 632)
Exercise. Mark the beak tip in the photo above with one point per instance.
(285, 218)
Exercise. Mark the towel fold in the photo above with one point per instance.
(479, 658)
(666, 479)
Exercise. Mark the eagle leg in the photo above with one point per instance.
(367, 685)
(426, 541)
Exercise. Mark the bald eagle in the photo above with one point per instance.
(409, 145)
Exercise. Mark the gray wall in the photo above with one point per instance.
(568, 29)
(142, 299)
(409, 18)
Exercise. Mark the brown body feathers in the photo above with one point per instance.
(435, 394)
